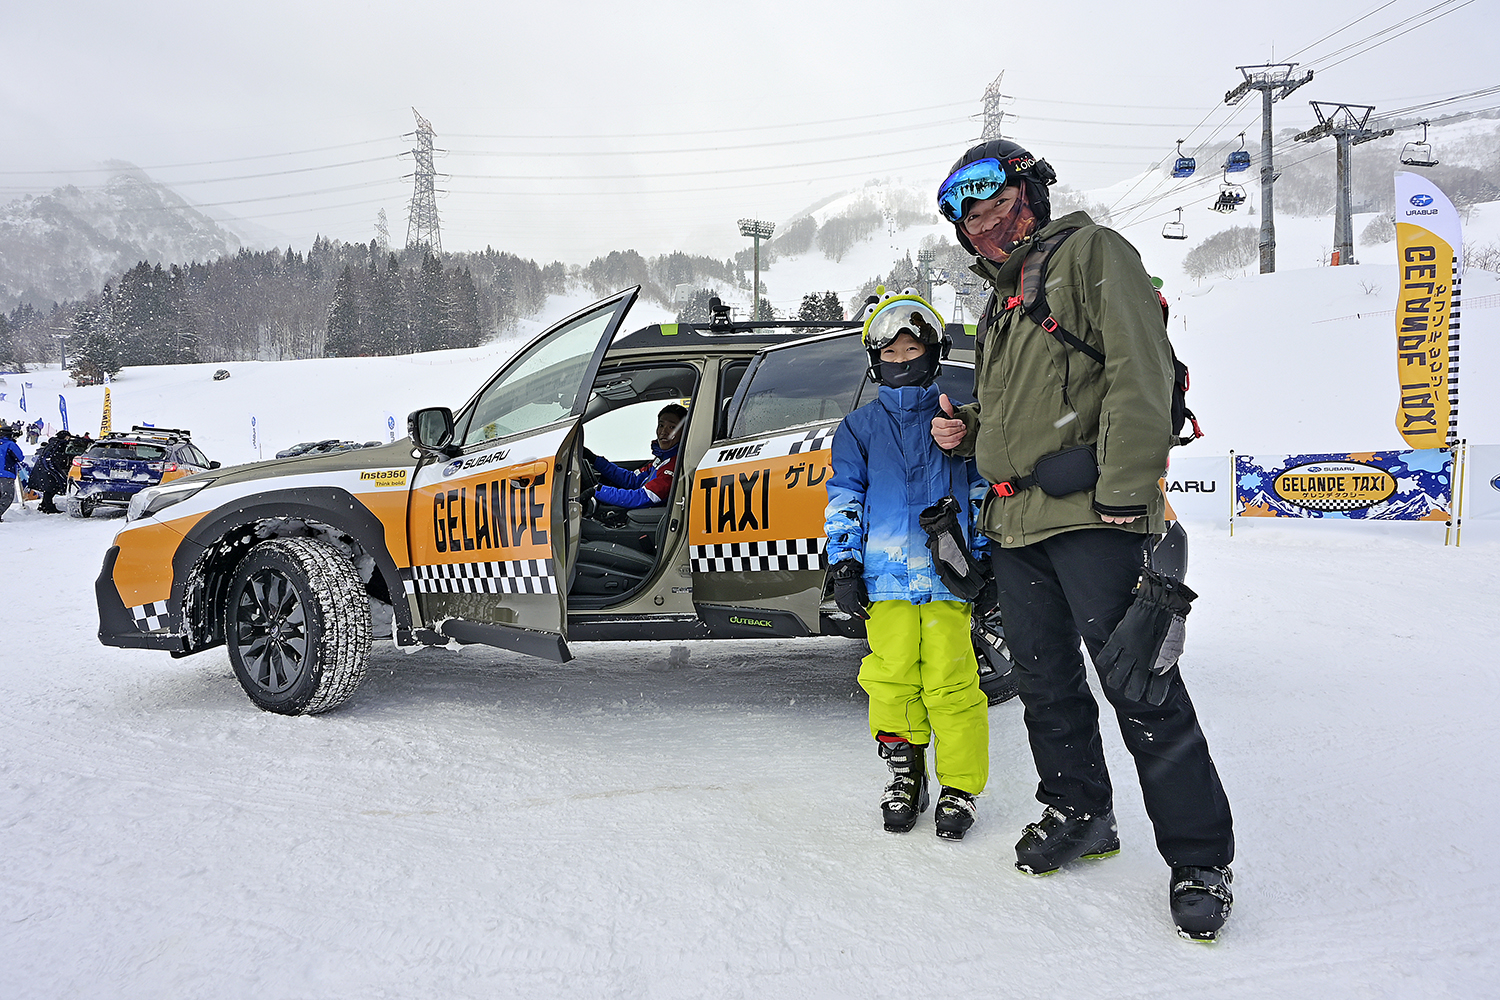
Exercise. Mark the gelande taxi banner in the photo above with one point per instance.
(1372, 485)
(1429, 244)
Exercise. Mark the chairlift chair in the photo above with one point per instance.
(1419, 154)
(1185, 165)
(1174, 230)
(1231, 197)
(1239, 159)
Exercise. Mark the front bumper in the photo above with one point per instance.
(118, 625)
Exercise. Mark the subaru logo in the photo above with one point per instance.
(1421, 200)
(452, 467)
(1495, 482)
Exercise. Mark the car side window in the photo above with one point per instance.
(542, 387)
(799, 384)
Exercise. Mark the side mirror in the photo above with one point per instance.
(432, 430)
(214, 465)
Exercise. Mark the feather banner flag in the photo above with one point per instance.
(1429, 252)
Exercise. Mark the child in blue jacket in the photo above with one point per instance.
(921, 675)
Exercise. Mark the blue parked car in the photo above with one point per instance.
(120, 465)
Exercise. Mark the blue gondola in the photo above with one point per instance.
(1239, 159)
(1185, 165)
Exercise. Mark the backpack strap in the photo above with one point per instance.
(1033, 297)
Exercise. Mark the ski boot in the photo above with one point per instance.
(905, 797)
(1059, 838)
(954, 813)
(1201, 900)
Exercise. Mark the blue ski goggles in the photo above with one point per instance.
(978, 180)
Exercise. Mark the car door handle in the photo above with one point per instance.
(529, 471)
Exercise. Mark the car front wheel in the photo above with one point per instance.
(297, 626)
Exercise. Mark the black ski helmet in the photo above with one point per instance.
(1036, 174)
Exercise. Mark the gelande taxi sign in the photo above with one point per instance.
(1335, 485)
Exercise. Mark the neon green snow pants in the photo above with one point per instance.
(923, 680)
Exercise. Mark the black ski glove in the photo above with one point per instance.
(988, 601)
(849, 591)
(1140, 659)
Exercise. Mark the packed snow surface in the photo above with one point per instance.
(700, 819)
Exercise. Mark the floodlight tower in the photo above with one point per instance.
(1346, 123)
(1274, 81)
(761, 231)
(422, 219)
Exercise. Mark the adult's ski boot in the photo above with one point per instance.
(1059, 838)
(905, 797)
(1201, 900)
(954, 813)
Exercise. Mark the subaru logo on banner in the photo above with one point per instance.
(62, 407)
(1421, 200)
(254, 435)
(1495, 482)
(390, 426)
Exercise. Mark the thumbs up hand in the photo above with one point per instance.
(947, 431)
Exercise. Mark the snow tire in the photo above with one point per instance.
(297, 624)
(79, 506)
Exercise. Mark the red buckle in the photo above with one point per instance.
(1005, 489)
(1014, 301)
(1049, 324)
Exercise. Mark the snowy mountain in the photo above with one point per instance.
(67, 244)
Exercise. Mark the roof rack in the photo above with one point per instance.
(170, 433)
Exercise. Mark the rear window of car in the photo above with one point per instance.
(132, 450)
(800, 384)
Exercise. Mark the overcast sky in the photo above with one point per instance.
(573, 129)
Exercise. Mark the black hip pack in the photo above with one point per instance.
(1071, 470)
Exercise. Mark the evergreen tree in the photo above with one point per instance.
(464, 315)
(345, 334)
(820, 308)
(97, 354)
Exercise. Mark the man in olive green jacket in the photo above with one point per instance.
(1066, 566)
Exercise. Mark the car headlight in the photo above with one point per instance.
(155, 498)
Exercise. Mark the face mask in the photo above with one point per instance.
(998, 242)
(917, 372)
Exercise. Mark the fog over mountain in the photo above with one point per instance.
(67, 244)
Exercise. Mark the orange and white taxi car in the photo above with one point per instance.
(471, 529)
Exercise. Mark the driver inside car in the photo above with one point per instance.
(651, 485)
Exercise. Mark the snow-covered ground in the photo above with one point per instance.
(698, 819)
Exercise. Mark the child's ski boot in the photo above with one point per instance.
(954, 813)
(905, 797)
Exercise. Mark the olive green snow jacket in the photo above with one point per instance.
(1099, 291)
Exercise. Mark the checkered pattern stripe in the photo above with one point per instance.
(814, 441)
(517, 576)
(784, 554)
(150, 617)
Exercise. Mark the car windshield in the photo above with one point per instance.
(136, 450)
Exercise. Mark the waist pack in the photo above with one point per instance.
(961, 573)
(1071, 470)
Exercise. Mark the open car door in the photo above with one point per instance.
(493, 518)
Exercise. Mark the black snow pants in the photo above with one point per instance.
(1080, 583)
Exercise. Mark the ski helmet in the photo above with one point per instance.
(1019, 166)
(907, 313)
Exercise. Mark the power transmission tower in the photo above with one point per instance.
(994, 117)
(382, 232)
(422, 219)
(1346, 123)
(1274, 81)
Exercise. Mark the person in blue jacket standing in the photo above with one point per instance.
(11, 457)
(921, 675)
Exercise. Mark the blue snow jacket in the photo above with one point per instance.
(649, 486)
(886, 469)
(11, 457)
